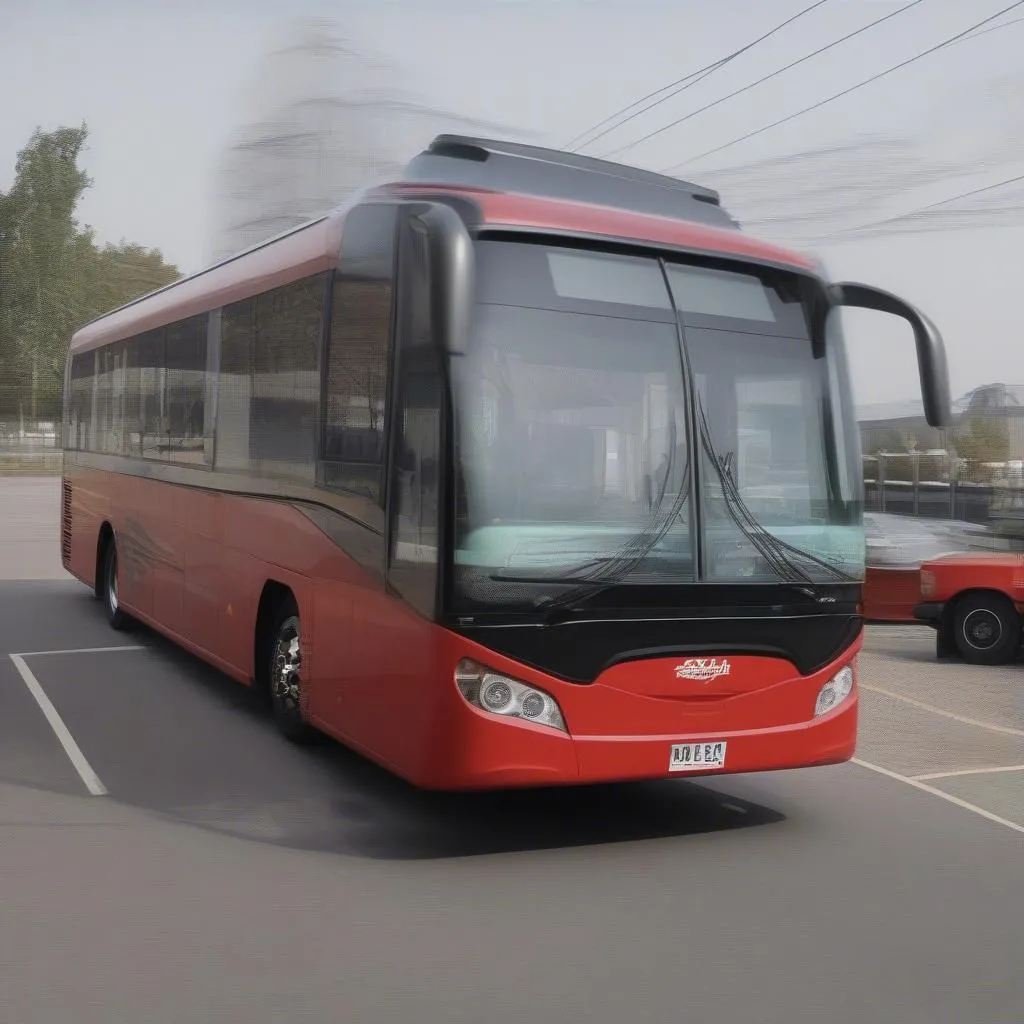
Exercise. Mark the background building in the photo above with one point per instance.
(325, 121)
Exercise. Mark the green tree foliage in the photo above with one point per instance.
(53, 276)
(986, 439)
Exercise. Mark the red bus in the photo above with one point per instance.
(527, 469)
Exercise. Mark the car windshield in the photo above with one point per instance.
(576, 442)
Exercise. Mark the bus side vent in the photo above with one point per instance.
(65, 523)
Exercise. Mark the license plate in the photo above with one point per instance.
(691, 757)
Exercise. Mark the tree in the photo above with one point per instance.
(53, 278)
(987, 439)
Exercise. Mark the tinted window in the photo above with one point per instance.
(234, 394)
(358, 353)
(152, 378)
(186, 389)
(286, 393)
(80, 402)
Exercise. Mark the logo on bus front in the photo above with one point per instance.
(703, 669)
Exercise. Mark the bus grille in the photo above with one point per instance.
(65, 523)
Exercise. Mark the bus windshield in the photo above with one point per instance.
(591, 446)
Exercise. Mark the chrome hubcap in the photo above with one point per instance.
(287, 665)
(112, 582)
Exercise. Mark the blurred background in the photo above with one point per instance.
(142, 141)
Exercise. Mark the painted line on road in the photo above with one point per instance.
(82, 650)
(969, 771)
(67, 741)
(991, 726)
(948, 797)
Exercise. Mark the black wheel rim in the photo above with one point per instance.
(982, 629)
(286, 668)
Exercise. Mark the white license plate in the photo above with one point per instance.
(692, 757)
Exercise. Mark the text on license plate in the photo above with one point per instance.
(696, 756)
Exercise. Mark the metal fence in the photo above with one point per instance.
(945, 487)
(30, 446)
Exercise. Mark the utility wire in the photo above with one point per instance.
(760, 81)
(846, 92)
(678, 86)
(931, 206)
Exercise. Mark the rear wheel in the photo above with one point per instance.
(108, 588)
(987, 629)
(284, 675)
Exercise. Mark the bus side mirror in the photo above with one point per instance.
(931, 350)
(451, 277)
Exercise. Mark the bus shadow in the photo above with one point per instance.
(327, 798)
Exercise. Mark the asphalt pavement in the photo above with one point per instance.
(219, 874)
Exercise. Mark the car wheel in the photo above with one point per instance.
(987, 629)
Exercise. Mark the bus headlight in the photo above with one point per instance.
(498, 694)
(834, 692)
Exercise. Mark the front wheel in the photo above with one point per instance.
(108, 588)
(285, 676)
(987, 629)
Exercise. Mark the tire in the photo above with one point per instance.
(945, 642)
(284, 676)
(116, 617)
(986, 629)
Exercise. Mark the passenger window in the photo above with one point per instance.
(234, 386)
(286, 384)
(186, 389)
(152, 373)
(359, 353)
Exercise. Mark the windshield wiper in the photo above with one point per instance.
(618, 566)
(777, 553)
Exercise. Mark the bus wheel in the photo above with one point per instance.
(285, 675)
(986, 628)
(111, 605)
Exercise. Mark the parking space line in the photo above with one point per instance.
(948, 797)
(991, 726)
(67, 741)
(81, 650)
(969, 771)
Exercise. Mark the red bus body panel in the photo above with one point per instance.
(381, 679)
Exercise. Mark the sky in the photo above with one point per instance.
(163, 85)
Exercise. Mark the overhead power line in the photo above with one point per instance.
(678, 86)
(846, 92)
(899, 218)
(760, 81)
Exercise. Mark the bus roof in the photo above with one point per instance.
(512, 187)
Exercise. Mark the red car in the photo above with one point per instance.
(896, 548)
(974, 602)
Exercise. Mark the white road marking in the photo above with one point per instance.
(82, 650)
(948, 797)
(991, 726)
(67, 741)
(970, 771)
